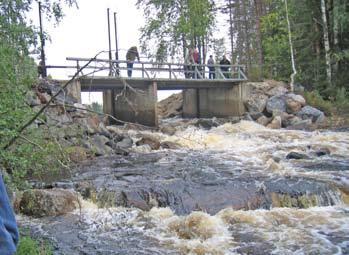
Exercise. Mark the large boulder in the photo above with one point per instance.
(294, 103)
(256, 103)
(276, 103)
(171, 106)
(263, 120)
(99, 145)
(308, 112)
(275, 123)
(48, 202)
(149, 140)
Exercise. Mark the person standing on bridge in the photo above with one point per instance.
(8, 228)
(225, 65)
(211, 68)
(131, 56)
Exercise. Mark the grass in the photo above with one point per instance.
(29, 246)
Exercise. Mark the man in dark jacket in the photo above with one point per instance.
(131, 55)
(225, 63)
(8, 228)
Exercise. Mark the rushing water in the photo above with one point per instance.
(230, 190)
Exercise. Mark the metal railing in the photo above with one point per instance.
(153, 70)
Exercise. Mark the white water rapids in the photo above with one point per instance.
(248, 150)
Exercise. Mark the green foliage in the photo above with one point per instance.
(314, 99)
(32, 154)
(28, 246)
(95, 106)
(172, 24)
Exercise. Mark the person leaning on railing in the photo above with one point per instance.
(8, 228)
(225, 63)
(131, 56)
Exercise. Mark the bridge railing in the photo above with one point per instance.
(149, 70)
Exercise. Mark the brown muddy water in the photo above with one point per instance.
(233, 189)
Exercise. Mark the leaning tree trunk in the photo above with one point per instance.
(326, 43)
(294, 73)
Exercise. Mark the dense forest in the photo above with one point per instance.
(259, 34)
(263, 35)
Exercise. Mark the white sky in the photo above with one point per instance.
(84, 32)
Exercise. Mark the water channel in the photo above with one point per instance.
(231, 189)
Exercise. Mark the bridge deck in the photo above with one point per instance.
(104, 83)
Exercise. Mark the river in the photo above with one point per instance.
(232, 189)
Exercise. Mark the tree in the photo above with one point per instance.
(174, 25)
(18, 72)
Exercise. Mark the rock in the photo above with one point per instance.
(263, 120)
(149, 140)
(90, 124)
(125, 143)
(56, 115)
(308, 112)
(276, 103)
(206, 124)
(80, 110)
(298, 98)
(103, 130)
(99, 145)
(290, 120)
(113, 129)
(171, 106)
(322, 152)
(298, 88)
(52, 202)
(256, 115)
(275, 123)
(256, 103)
(296, 155)
(299, 124)
(170, 145)
(292, 106)
(31, 99)
(246, 116)
(168, 130)
(277, 88)
(294, 103)
(76, 153)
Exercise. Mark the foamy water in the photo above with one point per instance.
(243, 150)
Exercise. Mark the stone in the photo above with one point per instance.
(125, 143)
(168, 130)
(256, 103)
(296, 155)
(292, 106)
(31, 99)
(170, 145)
(275, 123)
(264, 121)
(99, 145)
(149, 140)
(76, 153)
(246, 116)
(309, 112)
(56, 115)
(322, 152)
(48, 202)
(298, 98)
(299, 124)
(206, 124)
(171, 106)
(256, 115)
(276, 103)
(277, 88)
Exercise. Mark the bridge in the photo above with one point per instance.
(134, 99)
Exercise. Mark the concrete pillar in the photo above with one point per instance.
(214, 102)
(108, 103)
(137, 105)
(190, 103)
